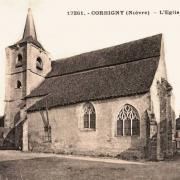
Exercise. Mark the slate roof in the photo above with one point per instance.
(118, 71)
(29, 35)
(30, 39)
(127, 52)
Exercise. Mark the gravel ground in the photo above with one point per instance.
(16, 165)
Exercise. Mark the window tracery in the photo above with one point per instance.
(128, 121)
(89, 116)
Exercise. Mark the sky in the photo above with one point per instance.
(66, 35)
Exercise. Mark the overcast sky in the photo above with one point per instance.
(64, 35)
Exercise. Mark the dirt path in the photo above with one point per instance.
(16, 165)
(18, 155)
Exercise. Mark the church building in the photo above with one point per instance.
(114, 101)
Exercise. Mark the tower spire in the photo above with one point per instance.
(29, 30)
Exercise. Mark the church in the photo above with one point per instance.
(115, 101)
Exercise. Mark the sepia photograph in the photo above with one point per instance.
(89, 90)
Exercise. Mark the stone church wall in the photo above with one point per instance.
(163, 108)
(26, 74)
(68, 135)
(35, 76)
(13, 94)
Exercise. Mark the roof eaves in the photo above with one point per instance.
(33, 107)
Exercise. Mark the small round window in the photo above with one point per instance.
(39, 63)
(19, 60)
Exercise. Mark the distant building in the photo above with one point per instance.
(114, 101)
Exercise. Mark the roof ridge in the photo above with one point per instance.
(101, 49)
(94, 68)
(120, 54)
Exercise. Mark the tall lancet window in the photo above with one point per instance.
(89, 116)
(128, 121)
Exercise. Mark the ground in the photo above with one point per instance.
(16, 165)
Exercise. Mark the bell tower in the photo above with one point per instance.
(27, 64)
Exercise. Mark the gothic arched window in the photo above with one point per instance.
(39, 63)
(19, 85)
(89, 116)
(19, 60)
(128, 122)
